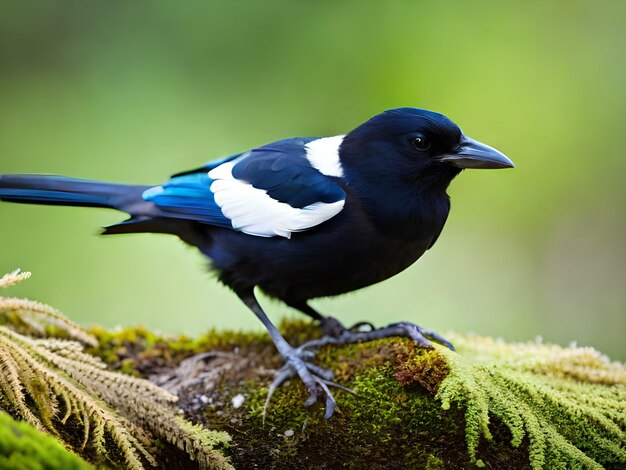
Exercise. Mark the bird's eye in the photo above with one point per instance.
(421, 143)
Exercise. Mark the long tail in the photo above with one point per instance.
(61, 191)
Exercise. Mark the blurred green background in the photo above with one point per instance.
(135, 91)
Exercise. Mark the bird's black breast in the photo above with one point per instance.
(346, 253)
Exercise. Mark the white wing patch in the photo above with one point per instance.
(254, 212)
(323, 154)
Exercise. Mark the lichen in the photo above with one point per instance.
(55, 386)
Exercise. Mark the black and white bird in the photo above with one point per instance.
(301, 218)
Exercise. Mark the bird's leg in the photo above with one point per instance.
(316, 379)
(330, 325)
(336, 333)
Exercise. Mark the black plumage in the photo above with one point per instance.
(301, 218)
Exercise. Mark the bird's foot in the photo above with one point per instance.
(316, 379)
(337, 336)
(421, 336)
(332, 327)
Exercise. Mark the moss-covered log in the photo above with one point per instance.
(490, 404)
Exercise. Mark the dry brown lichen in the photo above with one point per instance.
(55, 386)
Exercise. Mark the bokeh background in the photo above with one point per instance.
(135, 91)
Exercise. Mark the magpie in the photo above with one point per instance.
(301, 218)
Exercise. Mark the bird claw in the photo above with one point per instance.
(422, 336)
(316, 379)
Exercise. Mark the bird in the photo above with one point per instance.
(301, 218)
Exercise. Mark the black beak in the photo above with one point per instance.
(473, 154)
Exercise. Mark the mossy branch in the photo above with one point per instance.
(494, 404)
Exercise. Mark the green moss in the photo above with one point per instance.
(24, 447)
(434, 463)
(117, 345)
(390, 423)
(492, 404)
(137, 351)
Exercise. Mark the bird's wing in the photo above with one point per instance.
(275, 190)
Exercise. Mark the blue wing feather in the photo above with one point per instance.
(188, 196)
(281, 169)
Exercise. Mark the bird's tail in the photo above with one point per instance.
(62, 191)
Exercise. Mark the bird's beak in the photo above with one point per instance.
(473, 154)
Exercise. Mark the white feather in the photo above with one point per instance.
(323, 154)
(254, 212)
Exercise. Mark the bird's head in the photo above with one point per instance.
(411, 144)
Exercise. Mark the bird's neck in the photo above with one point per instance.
(404, 212)
(410, 209)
